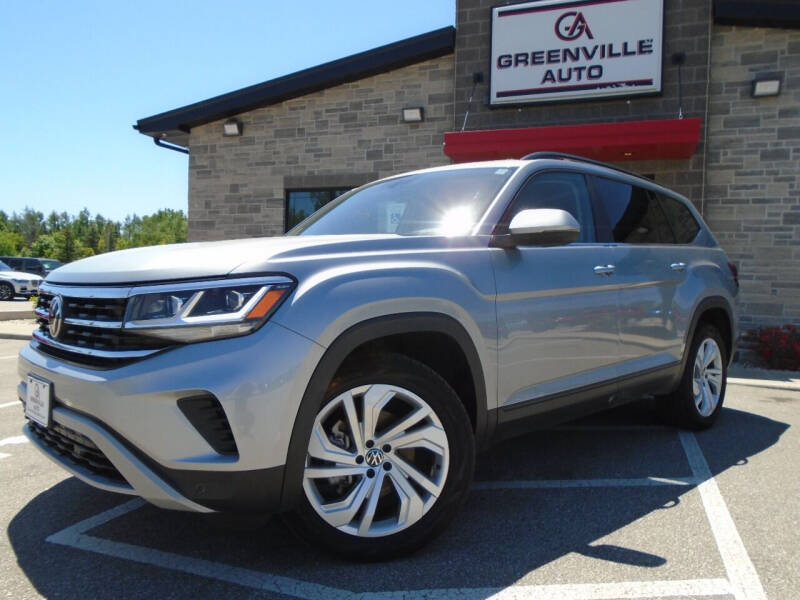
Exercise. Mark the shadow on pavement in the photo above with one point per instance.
(499, 538)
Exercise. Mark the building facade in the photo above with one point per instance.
(670, 93)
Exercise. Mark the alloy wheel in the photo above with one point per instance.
(707, 377)
(377, 460)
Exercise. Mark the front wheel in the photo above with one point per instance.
(6, 291)
(389, 460)
(697, 402)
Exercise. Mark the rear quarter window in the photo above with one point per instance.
(681, 218)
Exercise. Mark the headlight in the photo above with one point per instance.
(15, 280)
(199, 311)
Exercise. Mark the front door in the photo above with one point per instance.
(556, 306)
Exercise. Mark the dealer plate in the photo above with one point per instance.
(38, 406)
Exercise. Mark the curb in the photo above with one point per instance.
(17, 315)
(758, 383)
(14, 336)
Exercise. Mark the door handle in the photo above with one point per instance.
(604, 269)
(678, 266)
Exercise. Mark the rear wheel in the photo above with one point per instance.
(697, 402)
(389, 460)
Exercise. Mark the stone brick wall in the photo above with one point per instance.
(753, 191)
(339, 137)
(686, 29)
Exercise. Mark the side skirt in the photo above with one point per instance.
(552, 410)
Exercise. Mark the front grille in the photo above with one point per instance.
(78, 449)
(92, 332)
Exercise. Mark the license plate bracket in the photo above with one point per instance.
(38, 401)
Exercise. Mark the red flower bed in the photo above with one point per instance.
(779, 347)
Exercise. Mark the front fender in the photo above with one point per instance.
(333, 300)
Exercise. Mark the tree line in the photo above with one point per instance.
(66, 237)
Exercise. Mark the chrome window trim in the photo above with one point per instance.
(115, 354)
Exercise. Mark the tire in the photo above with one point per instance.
(443, 454)
(6, 291)
(697, 401)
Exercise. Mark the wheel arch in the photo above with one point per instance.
(391, 329)
(717, 311)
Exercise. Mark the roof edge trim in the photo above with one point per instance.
(433, 44)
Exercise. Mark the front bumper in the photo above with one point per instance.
(25, 288)
(130, 414)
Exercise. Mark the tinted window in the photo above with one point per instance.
(303, 203)
(681, 218)
(632, 214)
(31, 265)
(566, 191)
(15, 263)
(446, 202)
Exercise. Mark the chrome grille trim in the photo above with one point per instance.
(97, 324)
(127, 291)
(43, 338)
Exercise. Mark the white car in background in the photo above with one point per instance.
(13, 283)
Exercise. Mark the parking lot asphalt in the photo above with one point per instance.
(614, 506)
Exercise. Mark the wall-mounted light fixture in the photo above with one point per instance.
(413, 115)
(232, 127)
(767, 84)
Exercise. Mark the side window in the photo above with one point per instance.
(31, 266)
(14, 263)
(681, 218)
(557, 189)
(632, 215)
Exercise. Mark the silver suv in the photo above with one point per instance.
(346, 373)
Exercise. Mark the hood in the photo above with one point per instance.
(19, 275)
(205, 259)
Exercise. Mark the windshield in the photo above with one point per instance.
(4, 267)
(448, 202)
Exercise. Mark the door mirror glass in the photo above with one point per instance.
(543, 227)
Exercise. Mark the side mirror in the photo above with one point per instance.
(540, 227)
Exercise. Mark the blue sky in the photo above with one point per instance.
(77, 75)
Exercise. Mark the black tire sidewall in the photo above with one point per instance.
(9, 287)
(404, 372)
(688, 413)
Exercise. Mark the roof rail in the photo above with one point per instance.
(563, 156)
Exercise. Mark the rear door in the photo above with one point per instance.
(556, 311)
(647, 271)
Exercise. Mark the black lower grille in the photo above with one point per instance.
(77, 448)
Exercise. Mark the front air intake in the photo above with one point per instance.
(205, 413)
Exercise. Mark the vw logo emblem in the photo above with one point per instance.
(55, 316)
(374, 457)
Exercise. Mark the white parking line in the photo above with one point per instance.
(75, 537)
(741, 572)
(743, 582)
(581, 483)
(17, 439)
(7, 404)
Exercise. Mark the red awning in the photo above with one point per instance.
(629, 140)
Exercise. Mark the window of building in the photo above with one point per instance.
(302, 203)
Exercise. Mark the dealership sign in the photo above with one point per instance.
(557, 50)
